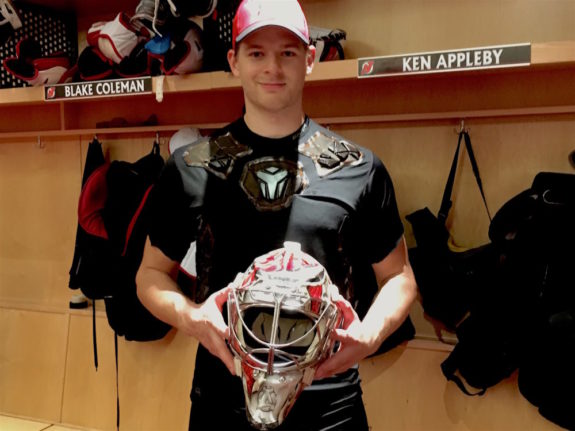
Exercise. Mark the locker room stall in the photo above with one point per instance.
(521, 121)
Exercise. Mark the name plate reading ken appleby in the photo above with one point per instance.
(446, 61)
(110, 88)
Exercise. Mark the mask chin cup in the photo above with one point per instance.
(270, 397)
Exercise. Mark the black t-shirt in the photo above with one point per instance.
(240, 195)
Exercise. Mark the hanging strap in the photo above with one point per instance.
(450, 366)
(446, 202)
(117, 383)
(94, 341)
(155, 147)
(475, 168)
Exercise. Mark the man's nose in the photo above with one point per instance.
(273, 64)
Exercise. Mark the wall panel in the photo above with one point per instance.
(386, 27)
(405, 390)
(154, 380)
(32, 363)
(39, 189)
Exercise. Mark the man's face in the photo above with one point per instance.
(272, 64)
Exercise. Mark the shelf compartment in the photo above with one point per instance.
(333, 94)
(30, 118)
(528, 91)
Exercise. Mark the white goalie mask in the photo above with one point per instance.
(280, 313)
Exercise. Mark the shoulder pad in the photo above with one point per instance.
(216, 154)
(330, 153)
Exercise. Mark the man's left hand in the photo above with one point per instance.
(356, 342)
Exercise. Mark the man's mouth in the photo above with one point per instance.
(272, 85)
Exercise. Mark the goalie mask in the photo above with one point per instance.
(280, 313)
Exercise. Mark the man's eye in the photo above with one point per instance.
(256, 54)
(289, 53)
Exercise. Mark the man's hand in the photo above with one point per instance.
(356, 342)
(361, 338)
(207, 325)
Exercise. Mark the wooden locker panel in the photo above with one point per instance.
(39, 191)
(89, 396)
(405, 390)
(385, 27)
(155, 379)
(32, 363)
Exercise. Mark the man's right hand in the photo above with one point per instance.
(206, 323)
(160, 294)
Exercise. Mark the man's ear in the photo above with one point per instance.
(310, 59)
(232, 61)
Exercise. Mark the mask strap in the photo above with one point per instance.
(238, 366)
(308, 374)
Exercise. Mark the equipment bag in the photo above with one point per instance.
(94, 159)
(514, 318)
(547, 375)
(112, 214)
(112, 211)
(329, 43)
(446, 279)
(547, 371)
(486, 353)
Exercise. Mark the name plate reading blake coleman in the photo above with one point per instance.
(110, 88)
(446, 61)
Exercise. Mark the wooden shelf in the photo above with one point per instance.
(88, 8)
(197, 82)
(333, 94)
(553, 53)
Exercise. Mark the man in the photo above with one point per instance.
(274, 176)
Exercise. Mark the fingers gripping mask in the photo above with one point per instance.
(280, 313)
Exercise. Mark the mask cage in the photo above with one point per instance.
(281, 335)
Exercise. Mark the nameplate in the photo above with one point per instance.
(446, 61)
(109, 88)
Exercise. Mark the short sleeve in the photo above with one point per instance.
(173, 223)
(380, 225)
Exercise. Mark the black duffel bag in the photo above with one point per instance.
(447, 279)
(523, 315)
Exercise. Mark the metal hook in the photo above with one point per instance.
(461, 127)
(39, 143)
(157, 144)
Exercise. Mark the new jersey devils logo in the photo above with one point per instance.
(367, 67)
(50, 92)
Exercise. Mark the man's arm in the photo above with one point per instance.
(390, 308)
(160, 294)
